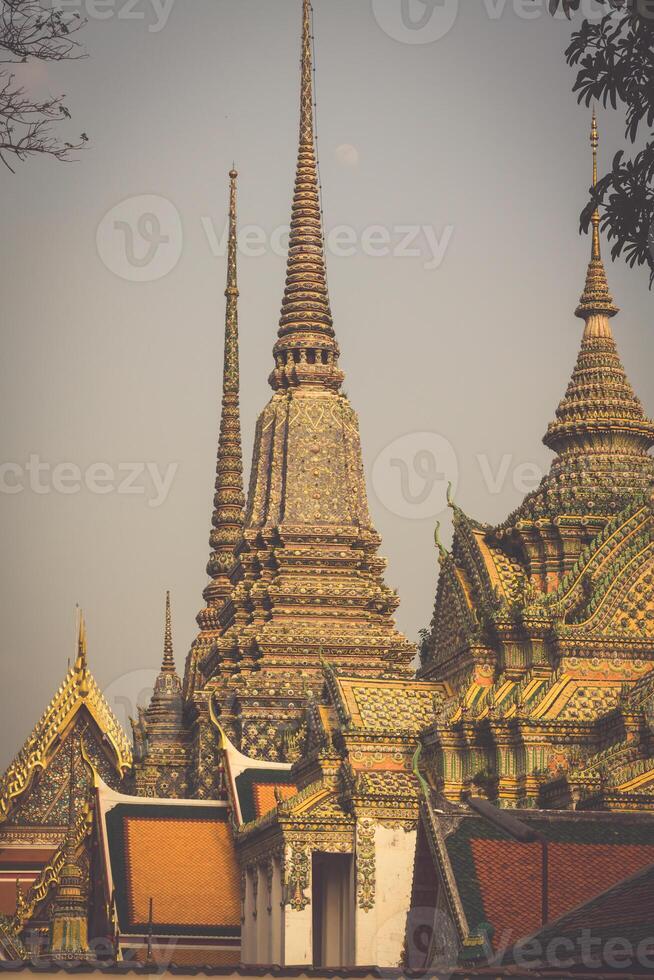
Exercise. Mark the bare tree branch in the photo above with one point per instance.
(28, 125)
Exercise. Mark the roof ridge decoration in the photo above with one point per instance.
(78, 689)
(306, 351)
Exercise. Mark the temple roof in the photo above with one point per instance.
(624, 912)
(78, 691)
(181, 855)
(255, 786)
(496, 880)
(386, 706)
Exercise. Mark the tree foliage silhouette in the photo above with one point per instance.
(614, 58)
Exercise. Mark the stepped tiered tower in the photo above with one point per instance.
(307, 579)
(544, 624)
(229, 501)
(161, 742)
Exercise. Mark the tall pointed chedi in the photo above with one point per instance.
(229, 501)
(309, 584)
(161, 742)
(600, 435)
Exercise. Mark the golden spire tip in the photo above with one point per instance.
(80, 663)
(594, 143)
(168, 658)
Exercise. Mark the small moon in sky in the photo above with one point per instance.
(347, 154)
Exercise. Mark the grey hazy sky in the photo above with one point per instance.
(476, 132)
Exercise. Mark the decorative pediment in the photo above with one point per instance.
(78, 697)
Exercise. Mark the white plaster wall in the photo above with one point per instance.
(298, 937)
(277, 911)
(248, 932)
(379, 933)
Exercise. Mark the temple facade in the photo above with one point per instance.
(304, 794)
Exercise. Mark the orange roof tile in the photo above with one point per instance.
(509, 876)
(264, 796)
(187, 866)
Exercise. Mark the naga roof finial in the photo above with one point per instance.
(442, 550)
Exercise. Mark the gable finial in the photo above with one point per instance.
(81, 661)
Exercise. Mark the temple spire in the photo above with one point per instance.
(600, 434)
(306, 352)
(229, 501)
(168, 663)
(596, 299)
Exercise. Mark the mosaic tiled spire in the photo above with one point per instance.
(168, 662)
(600, 435)
(306, 352)
(309, 583)
(227, 521)
(164, 716)
(229, 500)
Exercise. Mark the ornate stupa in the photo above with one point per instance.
(544, 623)
(160, 738)
(600, 435)
(307, 583)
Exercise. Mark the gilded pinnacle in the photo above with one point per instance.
(81, 663)
(229, 501)
(168, 664)
(306, 352)
(596, 298)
